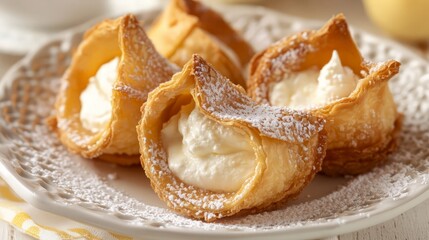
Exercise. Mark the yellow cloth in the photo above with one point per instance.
(43, 225)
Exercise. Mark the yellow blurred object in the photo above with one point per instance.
(404, 19)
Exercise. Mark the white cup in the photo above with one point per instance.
(49, 14)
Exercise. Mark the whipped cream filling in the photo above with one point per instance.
(312, 87)
(95, 100)
(206, 154)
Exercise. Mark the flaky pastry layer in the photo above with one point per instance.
(186, 27)
(140, 70)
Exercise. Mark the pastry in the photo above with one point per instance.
(323, 72)
(110, 76)
(212, 152)
(186, 27)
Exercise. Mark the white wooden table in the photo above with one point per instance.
(413, 224)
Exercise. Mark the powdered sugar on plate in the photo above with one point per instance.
(65, 183)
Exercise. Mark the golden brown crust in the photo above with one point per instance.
(351, 161)
(187, 27)
(361, 127)
(213, 23)
(140, 70)
(289, 145)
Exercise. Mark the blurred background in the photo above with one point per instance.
(25, 24)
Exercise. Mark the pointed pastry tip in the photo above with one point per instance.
(339, 16)
(129, 20)
(196, 58)
(339, 22)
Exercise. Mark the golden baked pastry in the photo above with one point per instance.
(99, 102)
(211, 152)
(352, 94)
(186, 27)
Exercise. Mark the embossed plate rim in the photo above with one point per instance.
(383, 210)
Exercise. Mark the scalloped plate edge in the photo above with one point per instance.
(385, 210)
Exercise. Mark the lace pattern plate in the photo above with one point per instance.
(43, 173)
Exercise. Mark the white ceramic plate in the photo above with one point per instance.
(42, 172)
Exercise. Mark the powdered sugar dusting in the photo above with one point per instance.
(39, 160)
(131, 92)
(275, 122)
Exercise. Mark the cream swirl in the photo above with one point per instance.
(311, 87)
(206, 154)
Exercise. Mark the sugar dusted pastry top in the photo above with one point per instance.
(274, 122)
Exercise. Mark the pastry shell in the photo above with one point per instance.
(289, 145)
(363, 127)
(186, 27)
(140, 70)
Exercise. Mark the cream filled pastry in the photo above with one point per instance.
(95, 100)
(211, 152)
(311, 87)
(206, 154)
(323, 72)
(111, 73)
